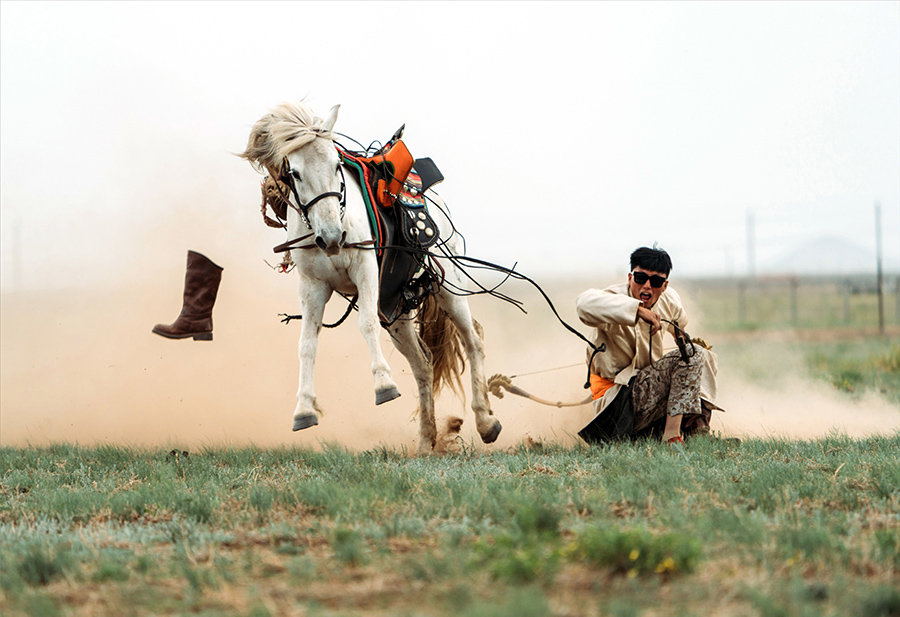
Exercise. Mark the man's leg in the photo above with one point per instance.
(668, 388)
(673, 427)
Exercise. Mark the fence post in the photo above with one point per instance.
(794, 284)
(897, 299)
(879, 278)
(847, 302)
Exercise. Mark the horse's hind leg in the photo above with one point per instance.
(405, 339)
(458, 309)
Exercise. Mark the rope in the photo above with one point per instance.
(558, 368)
(496, 382)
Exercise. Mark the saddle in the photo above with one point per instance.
(393, 186)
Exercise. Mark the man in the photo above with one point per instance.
(667, 394)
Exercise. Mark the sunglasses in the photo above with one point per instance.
(655, 281)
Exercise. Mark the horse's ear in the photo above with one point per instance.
(328, 125)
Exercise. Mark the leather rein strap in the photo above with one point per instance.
(289, 245)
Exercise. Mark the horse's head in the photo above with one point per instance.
(296, 147)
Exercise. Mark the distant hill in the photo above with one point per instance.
(827, 255)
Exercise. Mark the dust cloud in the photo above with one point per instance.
(794, 405)
(81, 365)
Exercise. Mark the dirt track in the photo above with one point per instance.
(84, 367)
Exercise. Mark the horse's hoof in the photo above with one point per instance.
(388, 394)
(491, 435)
(305, 421)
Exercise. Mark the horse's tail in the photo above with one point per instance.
(443, 339)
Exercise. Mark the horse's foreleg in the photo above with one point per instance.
(403, 334)
(370, 328)
(313, 296)
(458, 309)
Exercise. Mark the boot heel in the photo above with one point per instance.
(203, 336)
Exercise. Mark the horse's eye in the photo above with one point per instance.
(296, 175)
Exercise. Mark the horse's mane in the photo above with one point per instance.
(285, 129)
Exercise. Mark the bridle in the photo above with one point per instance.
(303, 208)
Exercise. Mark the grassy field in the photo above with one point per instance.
(779, 303)
(765, 527)
(854, 367)
(761, 527)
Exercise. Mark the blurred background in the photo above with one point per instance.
(758, 143)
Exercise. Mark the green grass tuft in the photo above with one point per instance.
(637, 552)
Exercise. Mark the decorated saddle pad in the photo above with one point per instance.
(416, 224)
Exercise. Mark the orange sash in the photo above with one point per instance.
(599, 386)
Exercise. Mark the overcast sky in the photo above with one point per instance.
(568, 133)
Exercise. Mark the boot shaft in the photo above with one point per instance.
(201, 286)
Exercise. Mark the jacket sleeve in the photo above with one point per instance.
(598, 308)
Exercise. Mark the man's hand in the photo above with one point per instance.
(645, 314)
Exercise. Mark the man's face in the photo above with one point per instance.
(645, 292)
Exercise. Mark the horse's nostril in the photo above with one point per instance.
(343, 238)
(320, 242)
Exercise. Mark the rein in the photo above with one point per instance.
(350, 306)
(460, 260)
(288, 246)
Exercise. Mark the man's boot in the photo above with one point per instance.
(201, 284)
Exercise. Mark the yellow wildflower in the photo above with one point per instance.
(569, 549)
(665, 565)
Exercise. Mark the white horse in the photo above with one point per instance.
(292, 140)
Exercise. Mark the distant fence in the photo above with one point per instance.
(795, 301)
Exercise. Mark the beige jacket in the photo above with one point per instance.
(612, 312)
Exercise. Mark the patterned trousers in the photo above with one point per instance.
(669, 386)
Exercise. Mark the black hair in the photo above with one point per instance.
(654, 260)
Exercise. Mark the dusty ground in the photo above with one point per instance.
(83, 366)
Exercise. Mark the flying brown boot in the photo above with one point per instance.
(201, 283)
